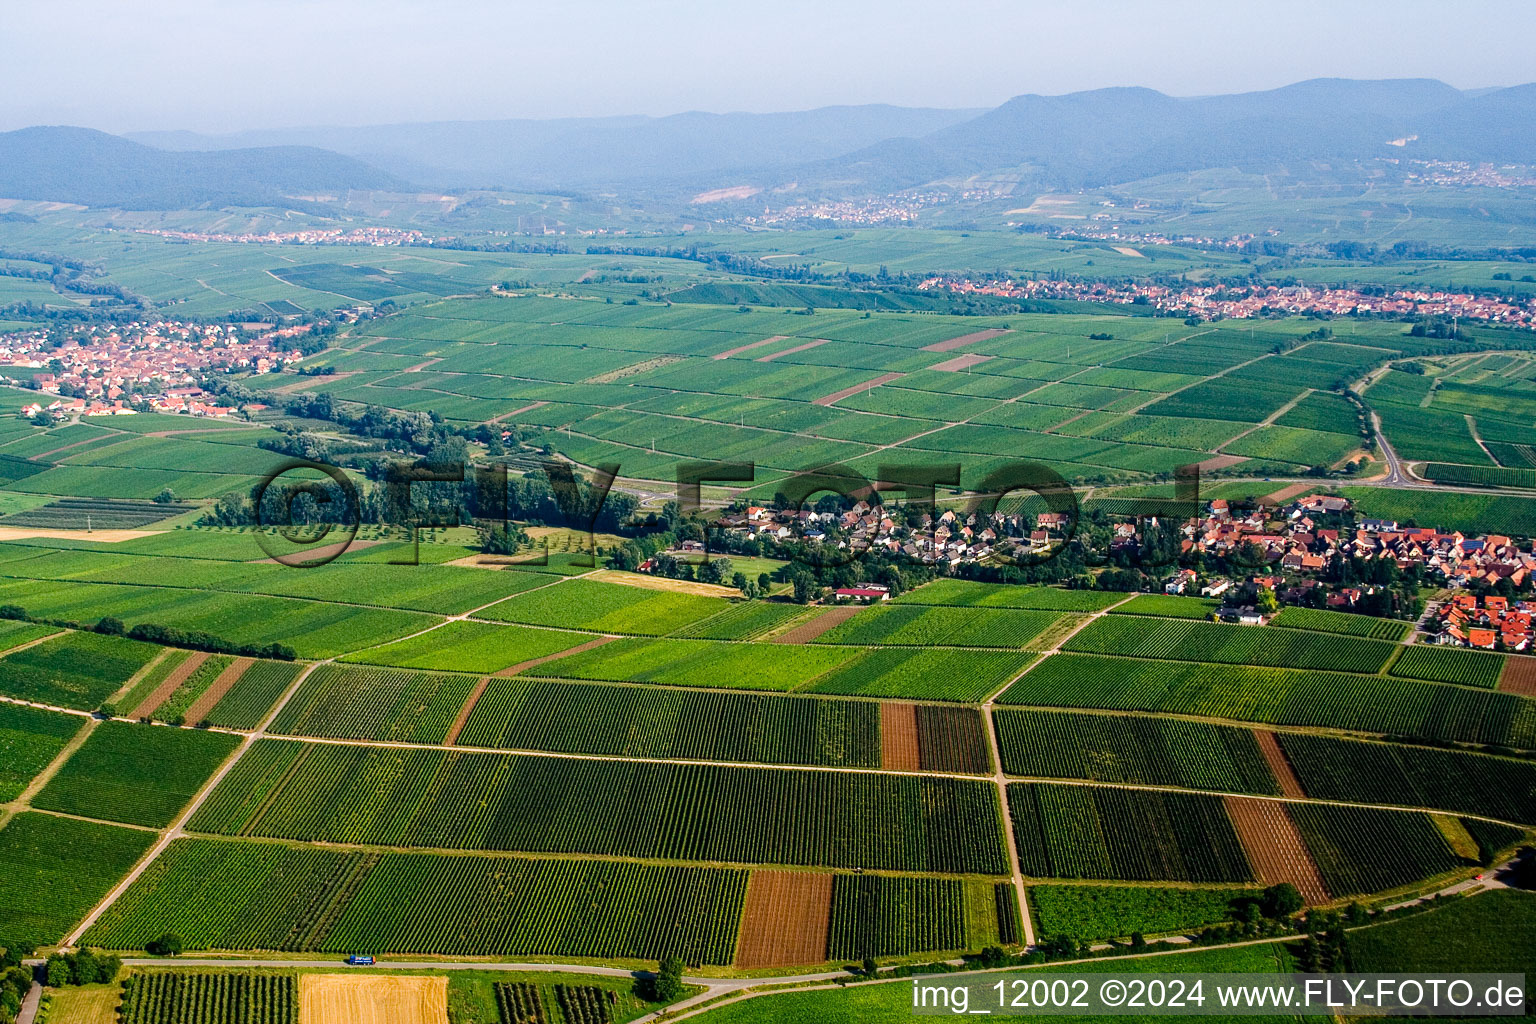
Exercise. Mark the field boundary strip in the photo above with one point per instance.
(464, 712)
(770, 357)
(523, 666)
(966, 339)
(739, 349)
(169, 685)
(226, 680)
(1279, 764)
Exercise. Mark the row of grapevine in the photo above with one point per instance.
(1361, 850)
(638, 721)
(583, 1004)
(452, 800)
(1191, 640)
(253, 694)
(209, 997)
(354, 702)
(1450, 780)
(238, 895)
(519, 1003)
(1132, 749)
(1281, 697)
(933, 625)
(952, 739)
(1449, 665)
(880, 915)
(1137, 835)
(1349, 624)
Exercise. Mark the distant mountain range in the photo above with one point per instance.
(78, 165)
(1079, 140)
(564, 153)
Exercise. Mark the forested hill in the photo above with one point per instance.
(78, 165)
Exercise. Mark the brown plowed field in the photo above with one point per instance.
(167, 687)
(952, 739)
(808, 631)
(1274, 846)
(216, 691)
(527, 408)
(786, 919)
(523, 666)
(770, 357)
(469, 705)
(964, 339)
(898, 737)
(838, 396)
(739, 349)
(1290, 785)
(964, 362)
(1519, 675)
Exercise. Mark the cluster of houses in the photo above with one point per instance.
(1214, 302)
(1292, 538)
(1492, 623)
(307, 236)
(114, 370)
(951, 538)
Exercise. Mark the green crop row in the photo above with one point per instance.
(1136, 835)
(1380, 773)
(228, 895)
(1230, 644)
(1132, 749)
(1279, 696)
(347, 702)
(706, 725)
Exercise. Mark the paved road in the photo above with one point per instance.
(29, 1004)
(1395, 477)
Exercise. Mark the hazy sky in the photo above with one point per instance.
(224, 65)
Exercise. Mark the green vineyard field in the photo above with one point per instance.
(347, 702)
(1280, 697)
(138, 774)
(1131, 749)
(637, 721)
(1135, 835)
(1447, 780)
(234, 895)
(543, 804)
(1186, 640)
(209, 997)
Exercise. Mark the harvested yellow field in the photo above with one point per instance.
(97, 536)
(372, 999)
(638, 579)
(87, 1004)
